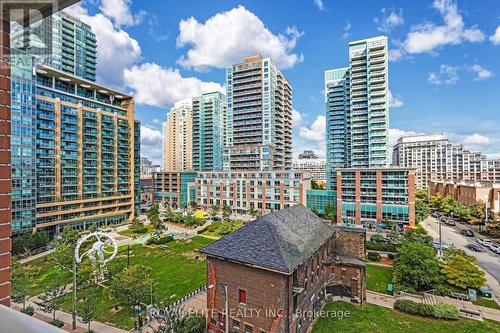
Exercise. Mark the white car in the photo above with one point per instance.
(484, 242)
(495, 248)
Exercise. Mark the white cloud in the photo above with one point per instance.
(151, 144)
(227, 37)
(390, 20)
(347, 29)
(427, 37)
(116, 49)
(159, 86)
(394, 101)
(447, 75)
(320, 5)
(316, 132)
(395, 134)
(296, 119)
(476, 141)
(119, 11)
(481, 73)
(495, 38)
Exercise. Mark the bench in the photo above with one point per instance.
(469, 313)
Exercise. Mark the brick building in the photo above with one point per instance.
(274, 273)
(468, 193)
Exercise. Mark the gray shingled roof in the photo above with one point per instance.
(281, 240)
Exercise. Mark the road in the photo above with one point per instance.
(487, 260)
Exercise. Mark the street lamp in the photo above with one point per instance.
(226, 305)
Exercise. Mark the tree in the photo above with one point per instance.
(133, 285)
(53, 298)
(20, 284)
(329, 212)
(214, 210)
(422, 210)
(422, 194)
(315, 211)
(253, 212)
(193, 205)
(317, 186)
(417, 235)
(226, 212)
(87, 310)
(461, 269)
(177, 321)
(416, 266)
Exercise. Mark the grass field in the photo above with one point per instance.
(487, 302)
(43, 273)
(130, 233)
(377, 278)
(176, 270)
(375, 319)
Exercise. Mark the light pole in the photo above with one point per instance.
(74, 292)
(226, 305)
(440, 250)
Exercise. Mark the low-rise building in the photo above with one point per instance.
(147, 189)
(283, 266)
(372, 195)
(246, 191)
(468, 193)
(172, 188)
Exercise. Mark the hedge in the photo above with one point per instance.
(159, 240)
(381, 246)
(439, 311)
(373, 256)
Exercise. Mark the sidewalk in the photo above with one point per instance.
(68, 319)
(36, 256)
(387, 301)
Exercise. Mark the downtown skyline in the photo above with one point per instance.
(166, 57)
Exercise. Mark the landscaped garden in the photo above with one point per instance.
(221, 228)
(161, 274)
(376, 319)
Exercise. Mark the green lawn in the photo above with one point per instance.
(42, 273)
(487, 302)
(375, 319)
(377, 278)
(176, 270)
(130, 233)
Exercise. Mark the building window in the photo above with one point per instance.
(236, 324)
(248, 328)
(242, 296)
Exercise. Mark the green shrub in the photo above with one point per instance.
(57, 322)
(194, 324)
(415, 308)
(439, 311)
(29, 310)
(380, 246)
(445, 311)
(373, 256)
(159, 240)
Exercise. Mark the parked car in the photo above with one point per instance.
(475, 247)
(484, 242)
(495, 248)
(216, 219)
(449, 222)
(377, 238)
(437, 246)
(442, 219)
(467, 232)
(485, 292)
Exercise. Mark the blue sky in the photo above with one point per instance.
(444, 69)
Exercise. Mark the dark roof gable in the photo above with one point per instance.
(281, 240)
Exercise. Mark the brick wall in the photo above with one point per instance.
(5, 169)
(350, 242)
(265, 290)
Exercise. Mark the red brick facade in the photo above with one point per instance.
(5, 170)
(277, 302)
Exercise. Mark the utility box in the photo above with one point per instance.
(390, 289)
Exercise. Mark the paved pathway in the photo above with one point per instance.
(36, 256)
(387, 301)
(68, 319)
